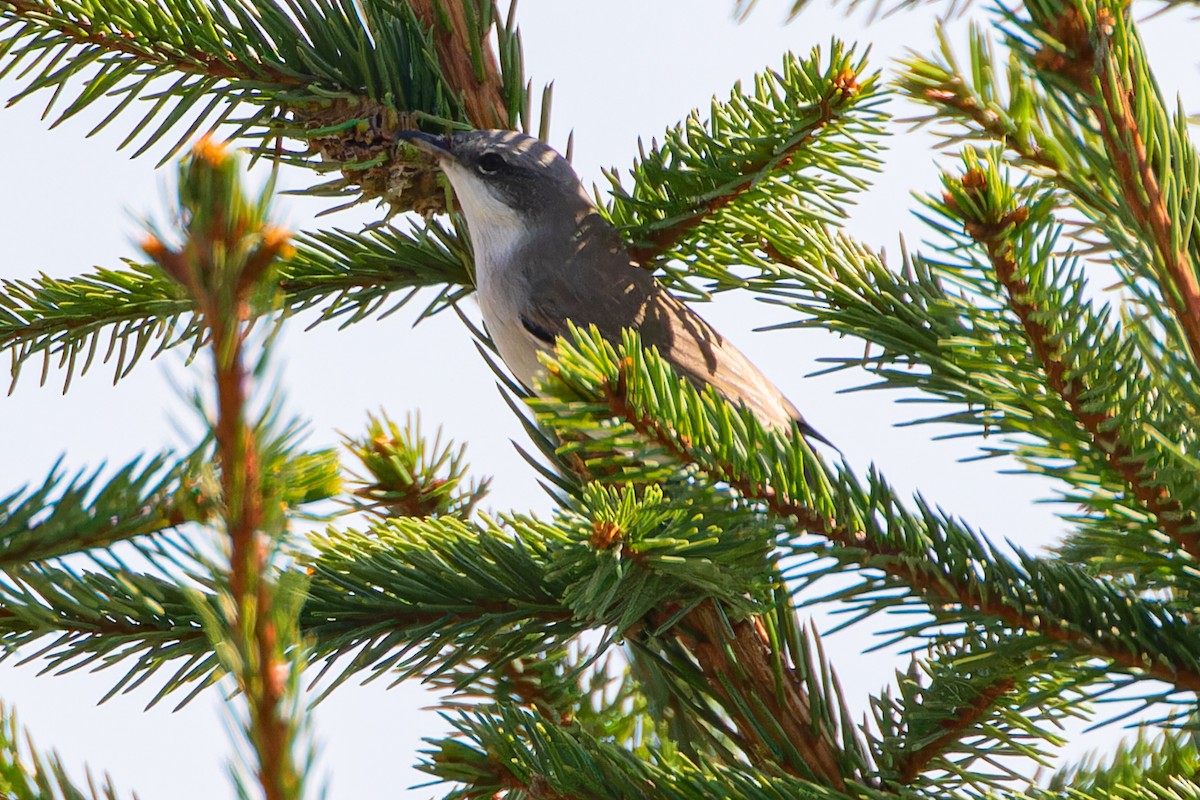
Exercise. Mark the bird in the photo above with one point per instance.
(544, 254)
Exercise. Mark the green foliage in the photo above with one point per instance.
(27, 774)
(223, 55)
(107, 616)
(506, 746)
(145, 496)
(623, 394)
(1166, 760)
(409, 477)
(794, 139)
(644, 638)
(125, 315)
(942, 729)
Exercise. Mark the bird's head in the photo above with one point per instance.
(501, 176)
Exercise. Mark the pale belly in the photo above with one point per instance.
(517, 346)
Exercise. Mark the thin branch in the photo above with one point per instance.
(1103, 427)
(222, 273)
(1140, 187)
(1112, 96)
(662, 239)
(240, 483)
(83, 31)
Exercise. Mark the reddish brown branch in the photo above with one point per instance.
(1144, 197)
(747, 658)
(916, 761)
(704, 631)
(248, 583)
(936, 587)
(992, 125)
(535, 785)
(1113, 99)
(1103, 428)
(482, 90)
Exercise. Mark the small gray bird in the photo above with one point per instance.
(545, 255)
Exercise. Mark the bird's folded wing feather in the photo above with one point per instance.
(615, 294)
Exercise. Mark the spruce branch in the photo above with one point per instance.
(410, 477)
(401, 594)
(1096, 52)
(568, 683)
(995, 229)
(937, 327)
(105, 617)
(918, 760)
(1154, 757)
(738, 658)
(801, 131)
(506, 749)
(1084, 110)
(958, 576)
(976, 105)
(341, 77)
(125, 315)
(225, 262)
(145, 496)
(965, 705)
(395, 597)
(460, 34)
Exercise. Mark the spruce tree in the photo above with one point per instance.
(648, 638)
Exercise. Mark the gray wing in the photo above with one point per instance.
(612, 293)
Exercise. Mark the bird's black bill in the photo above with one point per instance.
(436, 146)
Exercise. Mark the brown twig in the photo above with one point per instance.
(238, 457)
(1103, 428)
(992, 125)
(747, 658)
(194, 62)
(913, 763)
(1084, 45)
(478, 84)
(1143, 195)
(221, 273)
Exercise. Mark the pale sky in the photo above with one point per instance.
(622, 69)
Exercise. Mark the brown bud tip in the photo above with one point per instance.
(975, 180)
(210, 151)
(278, 241)
(846, 81)
(153, 247)
(605, 534)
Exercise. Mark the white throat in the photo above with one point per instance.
(496, 229)
(497, 233)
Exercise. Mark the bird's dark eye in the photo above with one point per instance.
(490, 163)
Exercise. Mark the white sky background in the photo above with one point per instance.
(621, 70)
